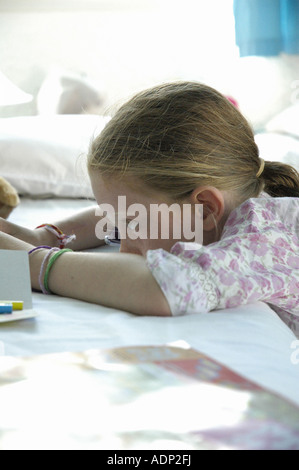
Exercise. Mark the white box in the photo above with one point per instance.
(15, 283)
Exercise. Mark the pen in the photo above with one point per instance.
(16, 304)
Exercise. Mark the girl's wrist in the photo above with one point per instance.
(44, 237)
(41, 261)
(57, 238)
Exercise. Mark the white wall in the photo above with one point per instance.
(128, 45)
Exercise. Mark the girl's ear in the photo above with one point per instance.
(213, 206)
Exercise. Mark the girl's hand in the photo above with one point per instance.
(33, 237)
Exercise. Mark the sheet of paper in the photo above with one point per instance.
(128, 398)
(15, 283)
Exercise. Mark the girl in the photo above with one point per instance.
(181, 143)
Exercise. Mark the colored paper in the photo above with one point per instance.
(155, 397)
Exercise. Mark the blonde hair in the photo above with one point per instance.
(178, 136)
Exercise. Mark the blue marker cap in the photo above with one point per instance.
(6, 309)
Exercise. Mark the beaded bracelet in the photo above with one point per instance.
(50, 265)
(62, 238)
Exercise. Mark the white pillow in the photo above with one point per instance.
(286, 122)
(279, 148)
(45, 156)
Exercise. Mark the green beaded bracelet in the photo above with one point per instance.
(50, 266)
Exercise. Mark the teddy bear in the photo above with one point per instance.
(9, 198)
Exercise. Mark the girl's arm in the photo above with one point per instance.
(82, 225)
(118, 280)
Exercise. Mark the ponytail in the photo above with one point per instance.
(280, 180)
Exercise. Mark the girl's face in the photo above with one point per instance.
(135, 215)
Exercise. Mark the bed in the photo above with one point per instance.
(250, 340)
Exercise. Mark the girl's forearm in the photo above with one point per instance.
(121, 281)
(83, 225)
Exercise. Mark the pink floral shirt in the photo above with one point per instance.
(256, 259)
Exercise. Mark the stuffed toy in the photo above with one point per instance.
(64, 92)
(9, 198)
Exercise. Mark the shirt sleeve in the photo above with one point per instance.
(187, 287)
(247, 265)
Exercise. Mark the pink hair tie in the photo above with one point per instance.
(233, 101)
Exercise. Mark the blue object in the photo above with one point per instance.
(5, 309)
(267, 27)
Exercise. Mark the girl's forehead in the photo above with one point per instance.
(110, 189)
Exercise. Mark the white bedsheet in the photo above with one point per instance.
(251, 340)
